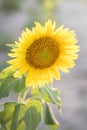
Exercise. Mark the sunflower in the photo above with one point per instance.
(41, 52)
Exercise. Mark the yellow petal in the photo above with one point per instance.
(29, 77)
(55, 73)
(21, 71)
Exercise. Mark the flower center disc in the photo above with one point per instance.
(42, 53)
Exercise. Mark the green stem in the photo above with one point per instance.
(19, 99)
(25, 94)
(22, 95)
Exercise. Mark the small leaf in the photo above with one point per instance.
(35, 103)
(8, 82)
(18, 84)
(35, 92)
(49, 118)
(53, 127)
(6, 77)
(51, 95)
(32, 118)
(5, 86)
(5, 73)
(48, 94)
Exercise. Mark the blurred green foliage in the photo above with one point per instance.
(48, 9)
(44, 11)
(10, 4)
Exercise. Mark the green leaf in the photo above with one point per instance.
(51, 95)
(35, 103)
(32, 118)
(6, 115)
(53, 127)
(5, 73)
(5, 86)
(49, 118)
(18, 84)
(33, 114)
(6, 77)
(17, 118)
(12, 117)
(35, 92)
(48, 94)
(8, 82)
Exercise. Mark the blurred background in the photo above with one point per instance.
(15, 15)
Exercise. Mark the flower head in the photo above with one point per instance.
(41, 52)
